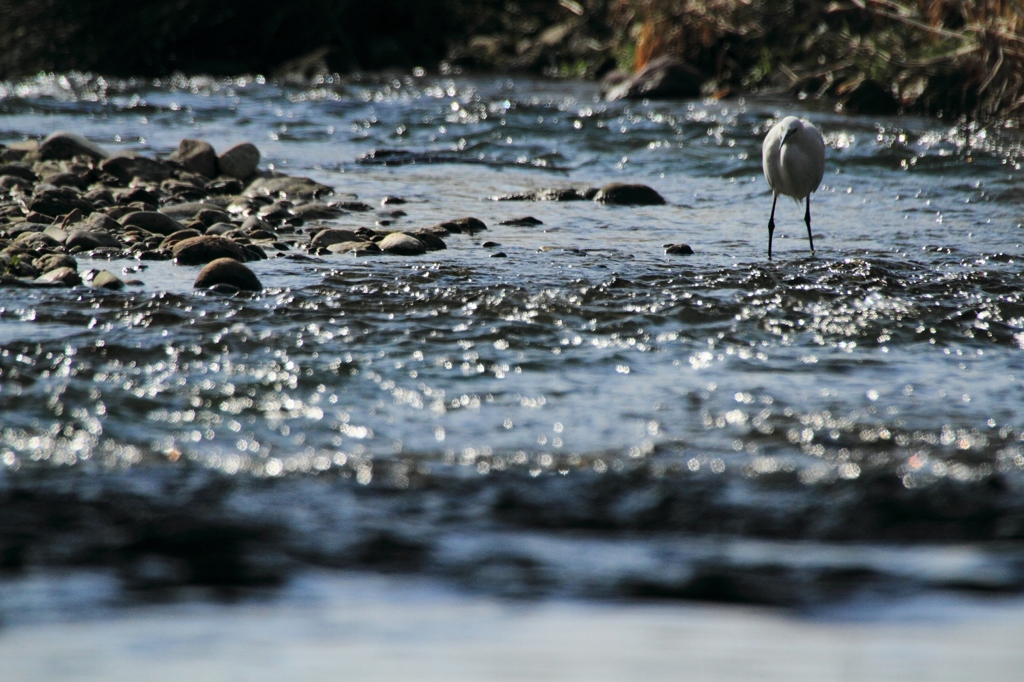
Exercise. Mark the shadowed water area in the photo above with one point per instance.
(586, 416)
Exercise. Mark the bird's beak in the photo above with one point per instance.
(786, 137)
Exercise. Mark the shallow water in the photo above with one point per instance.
(586, 416)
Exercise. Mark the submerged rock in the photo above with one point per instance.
(624, 194)
(461, 226)
(526, 221)
(430, 240)
(230, 272)
(678, 249)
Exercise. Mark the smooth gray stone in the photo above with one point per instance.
(402, 244)
(196, 156)
(240, 161)
(153, 221)
(65, 145)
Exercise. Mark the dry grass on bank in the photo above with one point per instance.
(929, 56)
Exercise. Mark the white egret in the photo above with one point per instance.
(793, 158)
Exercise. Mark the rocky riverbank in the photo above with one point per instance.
(878, 56)
(66, 196)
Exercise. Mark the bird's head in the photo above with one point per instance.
(793, 125)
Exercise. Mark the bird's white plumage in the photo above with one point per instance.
(793, 157)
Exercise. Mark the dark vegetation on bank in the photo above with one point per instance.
(936, 57)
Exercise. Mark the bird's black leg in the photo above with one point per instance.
(807, 219)
(771, 224)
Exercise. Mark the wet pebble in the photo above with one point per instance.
(206, 248)
(402, 244)
(287, 187)
(431, 241)
(356, 206)
(153, 221)
(227, 271)
(105, 279)
(317, 211)
(66, 276)
(240, 161)
(467, 225)
(184, 211)
(252, 223)
(57, 201)
(220, 229)
(127, 166)
(89, 239)
(212, 216)
(170, 240)
(66, 145)
(324, 238)
(359, 247)
(197, 156)
(551, 194)
(54, 261)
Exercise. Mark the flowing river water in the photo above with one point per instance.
(586, 416)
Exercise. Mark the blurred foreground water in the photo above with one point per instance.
(585, 417)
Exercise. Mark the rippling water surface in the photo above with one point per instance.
(712, 425)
